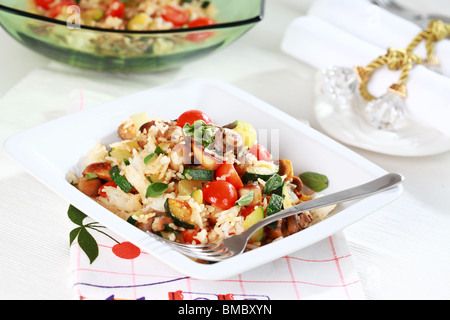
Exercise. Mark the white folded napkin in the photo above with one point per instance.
(377, 26)
(322, 44)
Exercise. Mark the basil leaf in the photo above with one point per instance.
(273, 184)
(314, 181)
(246, 200)
(202, 132)
(149, 158)
(156, 189)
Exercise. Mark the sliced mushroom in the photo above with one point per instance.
(89, 186)
(286, 169)
(206, 159)
(298, 186)
(293, 224)
(127, 131)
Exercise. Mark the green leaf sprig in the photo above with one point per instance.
(246, 199)
(203, 133)
(315, 181)
(86, 241)
(156, 189)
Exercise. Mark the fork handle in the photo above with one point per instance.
(376, 186)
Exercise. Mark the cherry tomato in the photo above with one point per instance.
(44, 4)
(177, 17)
(261, 153)
(220, 194)
(102, 193)
(192, 116)
(58, 9)
(228, 173)
(200, 22)
(188, 236)
(116, 9)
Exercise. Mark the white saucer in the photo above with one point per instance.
(345, 125)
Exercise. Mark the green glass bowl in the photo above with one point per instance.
(127, 51)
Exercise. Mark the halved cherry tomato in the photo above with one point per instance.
(177, 17)
(58, 9)
(102, 193)
(220, 194)
(228, 173)
(261, 153)
(115, 9)
(44, 4)
(192, 116)
(200, 22)
(188, 236)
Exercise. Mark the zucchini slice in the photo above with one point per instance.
(198, 196)
(253, 218)
(180, 212)
(198, 174)
(260, 170)
(120, 180)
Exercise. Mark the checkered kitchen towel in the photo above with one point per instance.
(105, 266)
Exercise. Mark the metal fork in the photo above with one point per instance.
(235, 245)
(418, 18)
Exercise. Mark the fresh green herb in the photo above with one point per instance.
(232, 125)
(202, 132)
(273, 184)
(126, 161)
(156, 189)
(205, 4)
(275, 205)
(246, 199)
(315, 181)
(90, 176)
(159, 151)
(149, 158)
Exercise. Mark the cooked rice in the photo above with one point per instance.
(212, 224)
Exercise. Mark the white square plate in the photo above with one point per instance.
(50, 150)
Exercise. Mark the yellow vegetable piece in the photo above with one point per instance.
(198, 196)
(247, 133)
(253, 218)
(120, 154)
(187, 187)
(139, 22)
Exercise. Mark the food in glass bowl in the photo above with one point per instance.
(135, 36)
(135, 15)
(192, 181)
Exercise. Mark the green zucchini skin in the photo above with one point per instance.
(176, 210)
(120, 180)
(199, 174)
